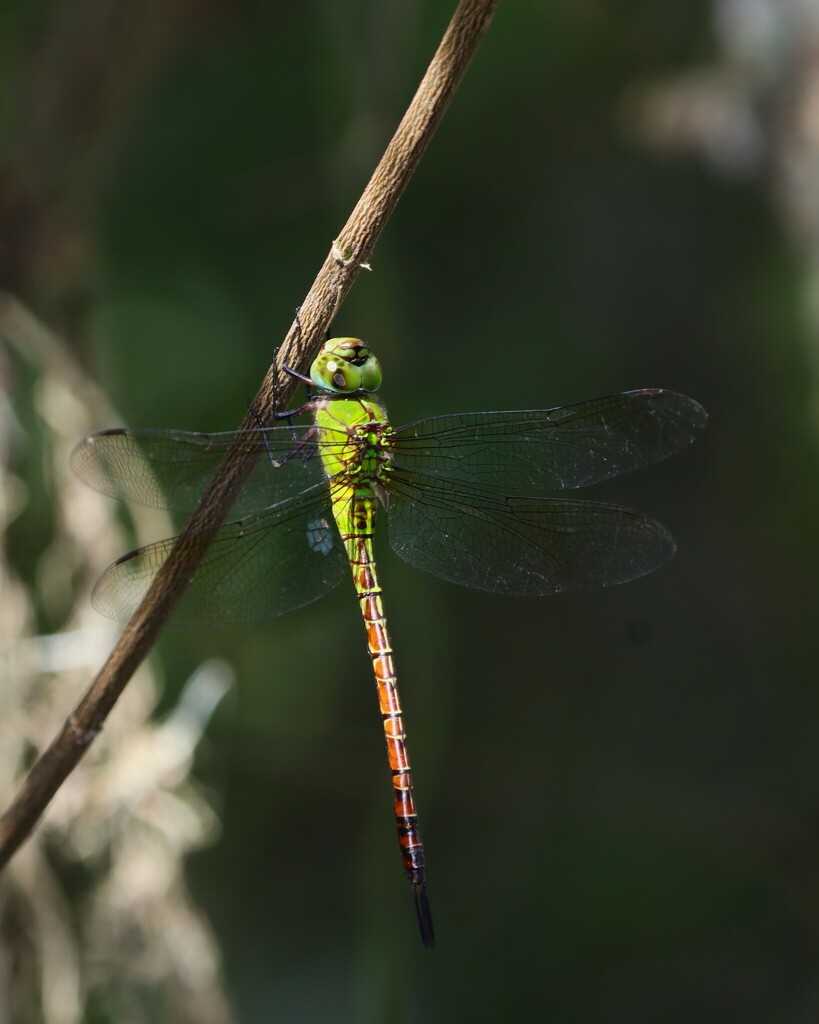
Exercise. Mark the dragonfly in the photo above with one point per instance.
(468, 497)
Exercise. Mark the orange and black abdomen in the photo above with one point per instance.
(359, 547)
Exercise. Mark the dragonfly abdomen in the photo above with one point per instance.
(389, 702)
(359, 545)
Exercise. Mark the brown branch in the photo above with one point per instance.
(351, 249)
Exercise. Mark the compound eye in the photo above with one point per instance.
(370, 374)
(343, 376)
(333, 373)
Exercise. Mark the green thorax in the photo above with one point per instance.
(353, 426)
(353, 431)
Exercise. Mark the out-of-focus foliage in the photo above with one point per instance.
(617, 789)
(94, 910)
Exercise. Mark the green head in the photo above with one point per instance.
(345, 365)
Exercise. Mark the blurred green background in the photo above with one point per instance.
(618, 789)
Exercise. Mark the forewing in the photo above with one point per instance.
(255, 568)
(171, 469)
(521, 546)
(542, 450)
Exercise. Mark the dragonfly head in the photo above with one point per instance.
(345, 365)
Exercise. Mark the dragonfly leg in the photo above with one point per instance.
(301, 446)
(278, 413)
(261, 426)
(308, 406)
(307, 381)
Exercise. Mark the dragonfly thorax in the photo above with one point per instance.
(346, 365)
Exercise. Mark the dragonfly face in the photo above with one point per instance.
(346, 365)
(468, 496)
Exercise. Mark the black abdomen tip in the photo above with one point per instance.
(424, 915)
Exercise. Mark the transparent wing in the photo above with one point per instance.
(522, 546)
(171, 468)
(542, 450)
(260, 566)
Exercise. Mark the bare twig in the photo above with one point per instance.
(349, 252)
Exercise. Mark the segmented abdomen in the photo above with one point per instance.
(359, 545)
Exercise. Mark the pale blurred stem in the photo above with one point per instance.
(349, 252)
